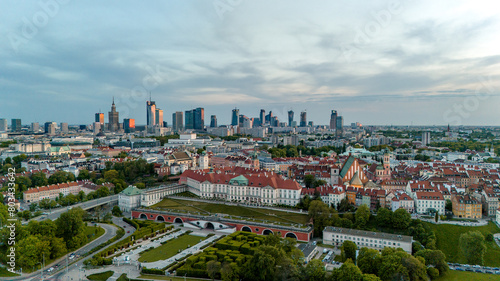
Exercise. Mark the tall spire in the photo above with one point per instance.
(113, 100)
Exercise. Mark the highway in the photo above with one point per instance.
(55, 213)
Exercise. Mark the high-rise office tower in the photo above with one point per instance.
(303, 119)
(35, 127)
(269, 118)
(64, 128)
(189, 119)
(99, 117)
(16, 125)
(290, 118)
(274, 121)
(199, 118)
(426, 138)
(159, 117)
(245, 122)
(333, 120)
(113, 118)
(177, 121)
(340, 124)
(4, 125)
(97, 128)
(235, 118)
(262, 117)
(213, 121)
(129, 125)
(50, 128)
(150, 113)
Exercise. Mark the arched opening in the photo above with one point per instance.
(143, 216)
(209, 226)
(160, 218)
(291, 235)
(178, 220)
(246, 228)
(267, 232)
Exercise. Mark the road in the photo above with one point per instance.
(54, 214)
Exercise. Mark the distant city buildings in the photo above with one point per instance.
(235, 117)
(303, 119)
(129, 125)
(3, 125)
(426, 138)
(213, 121)
(99, 118)
(16, 125)
(113, 118)
(290, 118)
(177, 121)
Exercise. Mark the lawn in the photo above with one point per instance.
(94, 232)
(103, 276)
(159, 277)
(453, 275)
(5, 273)
(170, 248)
(240, 211)
(448, 236)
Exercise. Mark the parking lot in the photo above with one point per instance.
(474, 268)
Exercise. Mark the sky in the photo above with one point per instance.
(402, 62)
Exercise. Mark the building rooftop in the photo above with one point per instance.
(369, 234)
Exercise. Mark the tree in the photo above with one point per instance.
(320, 214)
(314, 271)
(61, 177)
(369, 260)
(227, 273)
(23, 183)
(116, 211)
(435, 258)
(436, 217)
(262, 265)
(489, 237)
(39, 179)
(401, 219)
(473, 247)
(309, 180)
(344, 205)
(384, 217)
(111, 175)
(449, 205)
(213, 268)
(362, 215)
(348, 251)
(432, 272)
(71, 228)
(84, 175)
(57, 247)
(348, 272)
(371, 277)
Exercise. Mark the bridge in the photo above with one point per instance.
(55, 213)
(301, 233)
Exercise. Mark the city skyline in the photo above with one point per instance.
(379, 63)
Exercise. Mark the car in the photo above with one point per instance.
(50, 269)
(459, 269)
(128, 231)
(469, 269)
(488, 271)
(476, 266)
(478, 270)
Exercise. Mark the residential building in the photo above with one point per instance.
(374, 240)
(3, 125)
(466, 206)
(429, 201)
(491, 201)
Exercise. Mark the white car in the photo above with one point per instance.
(50, 269)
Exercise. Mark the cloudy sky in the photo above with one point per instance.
(376, 62)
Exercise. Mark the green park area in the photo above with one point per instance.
(237, 211)
(448, 236)
(159, 277)
(453, 275)
(93, 232)
(103, 276)
(170, 248)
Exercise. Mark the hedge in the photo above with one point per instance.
(152, 271)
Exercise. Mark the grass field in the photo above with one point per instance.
(453, 275)
(448, 236)
(170, 248)
(159, 277)
(240, 211)
(92, 230)
(5, 273)
(103, 276)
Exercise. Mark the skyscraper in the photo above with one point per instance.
(199, 118)
(99, 117)
(64, 128)
(303, 119)
(35, 127)
(269, 118)
(177, 121)
(290, 118)
(113, 118)
(159, 117)
(129, 125)
(16, 125)
(50, 128)
(426, 138)
(4, 125)
(262, 117)
(333, 120)
(189, 118)
(213, 121)
(235, 117)
(150, 113)
(340, 125)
